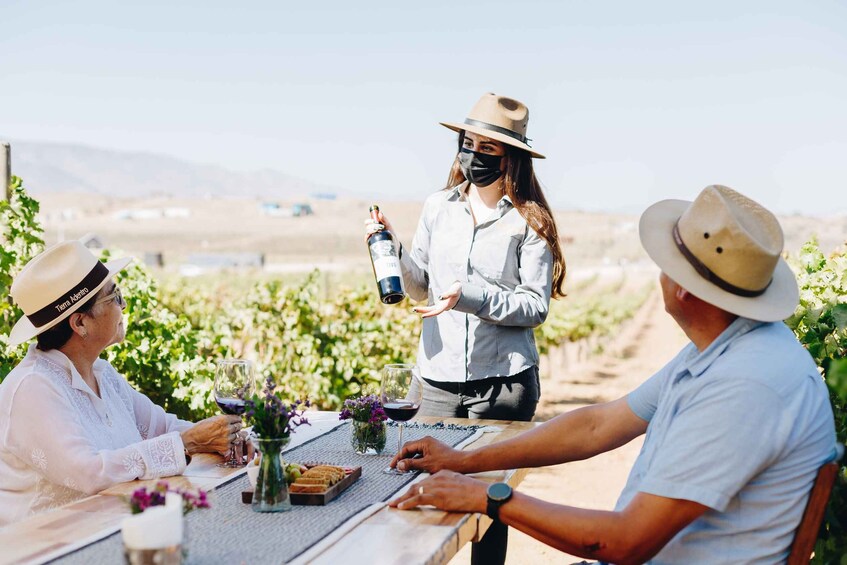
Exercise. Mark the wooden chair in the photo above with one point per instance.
(810, 524)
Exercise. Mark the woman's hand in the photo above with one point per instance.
(447, 301)
(372, 226)
(446, 490)
(427, 454)
(212, 435)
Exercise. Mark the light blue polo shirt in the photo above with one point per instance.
(742, 428)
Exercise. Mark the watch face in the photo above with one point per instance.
(499, 491)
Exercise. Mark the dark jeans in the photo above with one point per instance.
(496, 398)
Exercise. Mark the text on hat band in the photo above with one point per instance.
(82, 289)
(498, 129)
(708, 274)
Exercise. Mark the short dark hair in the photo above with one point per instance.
(58, 335)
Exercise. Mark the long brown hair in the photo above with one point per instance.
(522, 187)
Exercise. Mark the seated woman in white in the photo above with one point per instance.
(70, 425)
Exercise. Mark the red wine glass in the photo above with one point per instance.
(234, 381)
(401, 394)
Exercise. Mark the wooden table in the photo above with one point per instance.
(403, 537)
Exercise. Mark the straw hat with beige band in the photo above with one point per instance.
(498, 117)
(54, 284)
(724, 249)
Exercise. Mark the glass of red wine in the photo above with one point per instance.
(401, 394)
(234, 382)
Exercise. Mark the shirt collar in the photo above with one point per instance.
(697, 363)
(58, 358)
(458, 193)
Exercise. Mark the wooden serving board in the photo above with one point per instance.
(314, 498)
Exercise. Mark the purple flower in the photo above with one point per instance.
(363, 409)
(142, 499)
(270, 416)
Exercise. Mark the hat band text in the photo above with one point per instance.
(708, 274)
(80, 291)
(498, 129)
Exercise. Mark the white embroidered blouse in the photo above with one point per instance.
(60, 442)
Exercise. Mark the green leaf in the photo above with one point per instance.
(839, 316)
(836, 378)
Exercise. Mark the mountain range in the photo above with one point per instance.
(62, 167)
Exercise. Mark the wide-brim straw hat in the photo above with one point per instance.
(55, 284)
(725, 249)
(498, 117)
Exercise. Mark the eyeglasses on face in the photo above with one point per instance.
(114, 295)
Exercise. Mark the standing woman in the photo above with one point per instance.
(486, 258)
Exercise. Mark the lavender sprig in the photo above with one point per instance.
(363, 409)
(270, 416)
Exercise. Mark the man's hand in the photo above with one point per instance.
(447, 301)
(448, 491)
(428, 455)
(212, 435)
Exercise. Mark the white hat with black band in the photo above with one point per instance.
(55, 284)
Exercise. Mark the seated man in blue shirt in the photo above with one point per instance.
(737, 424)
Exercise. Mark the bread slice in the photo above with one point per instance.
(313, 481)
(337, 473)
(307, 489)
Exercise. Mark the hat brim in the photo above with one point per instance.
(655, 229)
(501, 137)
(24, 330)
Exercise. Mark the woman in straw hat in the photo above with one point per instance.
(70, 425)
(486, 257)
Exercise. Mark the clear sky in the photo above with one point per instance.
(630, 101)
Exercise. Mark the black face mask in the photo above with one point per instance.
(479, 168)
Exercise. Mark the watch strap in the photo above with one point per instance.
(493, 509)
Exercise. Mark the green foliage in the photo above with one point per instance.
(313, 349)
(20, 233)
(599, 314)
(820, 323)
(163, 355)
(317, 347)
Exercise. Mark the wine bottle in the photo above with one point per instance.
(386, 263)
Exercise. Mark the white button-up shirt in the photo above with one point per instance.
(506, 271)
(60, 442)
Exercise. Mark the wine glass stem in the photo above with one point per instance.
(234, 450)
(400, 437)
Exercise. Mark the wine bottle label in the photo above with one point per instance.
(384, 257)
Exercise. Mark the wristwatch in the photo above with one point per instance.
(498, 494)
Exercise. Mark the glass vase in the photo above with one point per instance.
(368, 438)
(271, 493)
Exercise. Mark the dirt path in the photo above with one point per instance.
(641, 348)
